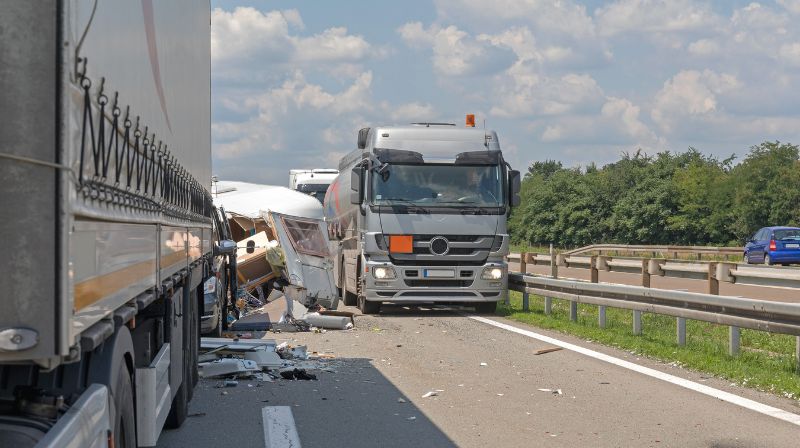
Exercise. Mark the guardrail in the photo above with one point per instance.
(712, 272)
(675, 250)
(775, 317)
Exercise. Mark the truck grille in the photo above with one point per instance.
(464, 250)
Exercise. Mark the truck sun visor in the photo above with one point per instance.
(478, 158)
(398, 156)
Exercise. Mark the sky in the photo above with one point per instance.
(577, 81)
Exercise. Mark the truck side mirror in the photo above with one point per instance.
(362, 138)
(514, 187)
(225, 247)
(251, 246)
(357, 195)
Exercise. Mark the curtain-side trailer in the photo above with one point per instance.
(106, 217)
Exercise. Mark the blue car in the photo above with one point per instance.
(772, 245)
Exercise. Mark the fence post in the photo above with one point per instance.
(733, 339)
(797, 355)
(713, 281)
(523, 263)
(573, 306)
(681, 330)
(637, 315)
(594, 273)
(548, 301)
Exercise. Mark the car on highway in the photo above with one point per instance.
(771, 245)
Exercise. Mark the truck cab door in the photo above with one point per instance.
(304, 243)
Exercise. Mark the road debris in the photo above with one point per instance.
(552, 391)
(430, 394)
(401, 400)
(547, 350)
(483, 364)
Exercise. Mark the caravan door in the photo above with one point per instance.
(308, 267)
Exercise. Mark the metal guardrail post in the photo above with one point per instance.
(713, 281)
(573, 310)
(523, 262)
(734, 338)
(681, 330)
(797, 355)
(637, 315)
(548, 301)
(597, 263)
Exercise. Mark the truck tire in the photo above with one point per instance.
(367, 306)
(125, 418)
(486, 307)
(348, 298)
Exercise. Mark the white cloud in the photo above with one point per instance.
(246, 37)
(411, 112)
(691, 95)
(550, 16)
(454, 52)
(523, 91)
(790, 53)
(280, 109)
(649, 16)
(704, 47)
(793, 6)
(618, 123)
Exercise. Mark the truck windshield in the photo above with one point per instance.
(440, 185)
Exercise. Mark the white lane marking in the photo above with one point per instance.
(691, 385)
(279, 428)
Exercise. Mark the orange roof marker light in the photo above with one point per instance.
(470, 120)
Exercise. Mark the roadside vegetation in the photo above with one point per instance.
(766, 361)
(668, 198)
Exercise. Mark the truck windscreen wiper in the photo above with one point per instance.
(408, 203)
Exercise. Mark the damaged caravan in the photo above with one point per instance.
(282, 241)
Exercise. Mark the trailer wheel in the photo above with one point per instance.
(124, 420)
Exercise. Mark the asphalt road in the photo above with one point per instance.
(726, 289)
(408, 351)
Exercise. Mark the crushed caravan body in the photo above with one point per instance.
(286, 232)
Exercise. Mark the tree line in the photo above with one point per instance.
(668, 198)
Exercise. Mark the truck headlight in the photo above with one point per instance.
(491, 273)
(383, 272)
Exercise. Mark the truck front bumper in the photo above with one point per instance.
(435, 283)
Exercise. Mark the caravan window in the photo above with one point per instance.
(306, 236)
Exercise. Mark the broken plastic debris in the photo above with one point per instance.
(552, 391)
(411, 418)
(401, 400)
(430, 394)
(483, 364)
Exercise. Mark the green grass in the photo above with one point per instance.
(766, 361)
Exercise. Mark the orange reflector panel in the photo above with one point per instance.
(401, 244)
(470, 120)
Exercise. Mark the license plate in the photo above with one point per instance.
(440, 273)
(792, 246)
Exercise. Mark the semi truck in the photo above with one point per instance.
(313, 182)
(418, 214)
(106, 216)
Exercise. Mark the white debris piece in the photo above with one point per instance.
(430, 394)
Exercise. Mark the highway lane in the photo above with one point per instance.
(408, 351)
(727, 289)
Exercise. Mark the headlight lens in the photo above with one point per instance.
(383, 272)
(491, 273)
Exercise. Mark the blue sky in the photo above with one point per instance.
(580, 82)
